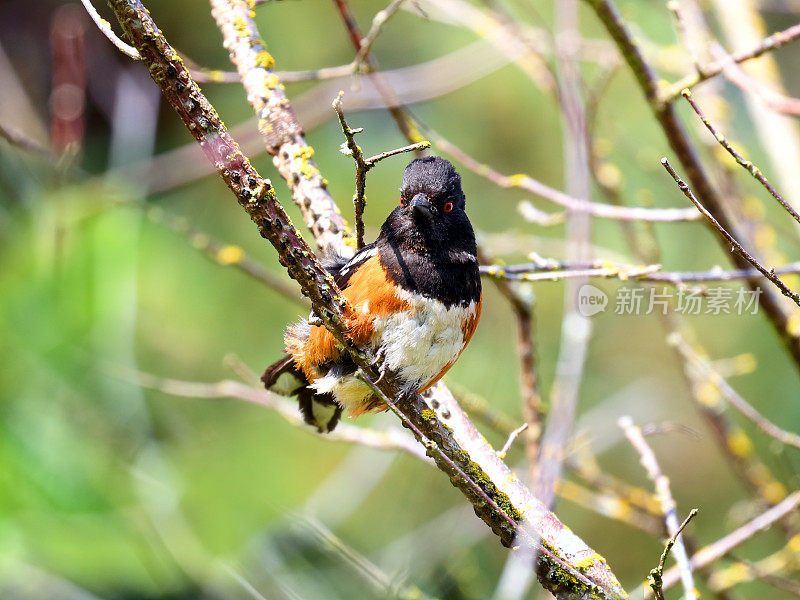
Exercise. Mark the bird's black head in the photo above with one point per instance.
(431, 213)
(427, 244)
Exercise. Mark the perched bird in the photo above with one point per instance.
(415, 295)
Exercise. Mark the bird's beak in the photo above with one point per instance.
(420, 205)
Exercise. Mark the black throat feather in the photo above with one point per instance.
(435, 259)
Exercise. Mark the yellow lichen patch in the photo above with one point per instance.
(429, 414)
(272, 81)
(584, 563)
(774, 492)
(240, 25)
(229, 254)
(307, 170)
(739, 443)
(215, 75)
(517, 180)
(264, 60)
(306, 152)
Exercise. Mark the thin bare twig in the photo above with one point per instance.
(387, 93)
(712, 552)
(657, 573)
(773, 42)
(363, 165)
(773, 100)
(525, 182)
(23, 142)
(511, 438)
(736, 246)
(554, 270)
(225, 254)
(105, 28)
(378, 21)
(748, 166)
(649, 462)
(732, 396)
(384, 584)
(389, 439)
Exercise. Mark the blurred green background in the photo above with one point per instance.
(112, 491)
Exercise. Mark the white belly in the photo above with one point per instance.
(416, 345)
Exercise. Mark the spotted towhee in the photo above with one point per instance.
(415, 295)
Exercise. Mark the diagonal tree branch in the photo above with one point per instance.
(775, 308)
(282, 132)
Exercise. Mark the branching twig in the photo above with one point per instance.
(773, 42)
(387, 93)
(709, 554)
(749, 166)
(608, 13)
(363, 165)
(649, 462)
(733, 397)
(378, 21)
(656, 574)
(736, 246)
(525, 182)
(750, 85)
(105, 28)
(390, 439)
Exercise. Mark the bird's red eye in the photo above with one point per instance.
(402, 202)
(448, 207)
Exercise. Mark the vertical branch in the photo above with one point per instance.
(532, 406)
(393, 103)
(661, 482)
(575, 328)
(282, 132)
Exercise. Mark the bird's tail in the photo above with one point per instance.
(285, 378)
